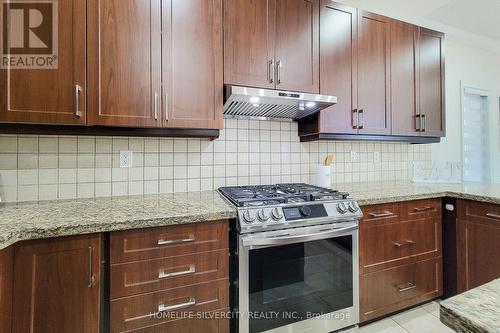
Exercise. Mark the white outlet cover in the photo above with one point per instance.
(354, 156)
(126, 158)
(376, 157)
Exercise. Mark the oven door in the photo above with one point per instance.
(299, 280)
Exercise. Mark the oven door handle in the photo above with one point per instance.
(299, 238)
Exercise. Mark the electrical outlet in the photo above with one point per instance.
(354, 156)
(376, 157)
(126, 159)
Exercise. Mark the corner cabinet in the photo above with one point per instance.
(56, 285)
(272, 44)
(51, 96)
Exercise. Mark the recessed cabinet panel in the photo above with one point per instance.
(124, 62)
(50, 96)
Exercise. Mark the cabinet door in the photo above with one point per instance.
(56, 285)
(404, 39)
(124, 62)
(249, 42)
(49, 96)
(431, 65)
(192, 63)
(297, 45)
(338, 62)
(6, 266)
(373, 73)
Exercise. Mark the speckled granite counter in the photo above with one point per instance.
(71, 217)
(371, 193)
(475, 311)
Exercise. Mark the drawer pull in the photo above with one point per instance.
(163, 307)
(163, 275)
(405, 243)
(421, 209)
(176, 241)
(383, 214)
(493, 216)
(405, 287)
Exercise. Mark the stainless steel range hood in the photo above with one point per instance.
(246, 102)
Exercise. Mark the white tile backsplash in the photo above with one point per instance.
(247, 152)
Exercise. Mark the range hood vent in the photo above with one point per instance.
(246, 102)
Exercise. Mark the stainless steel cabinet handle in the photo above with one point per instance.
(91, 278)
(354, 119)
(163, 307)
(418, 122)
(421, 209)
(270, 74)
(406, 287)
(361, 115)
(493, 216)
(279, 64)
(382, 214)
(176, 241)
(165, 104)
(78, 90)
(163, 275)
(424, 123)
(155, 106)
(407, 242)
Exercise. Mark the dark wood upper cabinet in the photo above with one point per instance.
(338, 63)
(373, 74)
(404, 78)
(431, 77)
(249, 42)
(272, 44)
(297, 45)
(192, 64)
(51, 96)
(57, 285)
(6, 272)
(124, 44)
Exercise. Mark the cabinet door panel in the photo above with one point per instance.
(57, 282)
(124, 62)
(48, 95)
(373, 73)
(297, 45)
(6, 267)
(338, 62)
(431, 64)
(249, 42)
(192, 63)
(404, 78)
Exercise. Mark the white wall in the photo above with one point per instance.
(470, 58)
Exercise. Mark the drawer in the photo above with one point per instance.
(217, 322)
(156, 308)
(478, 210)
(394, 289)
(171, 241)
(156, 274)
(420, 209)
(386, 213)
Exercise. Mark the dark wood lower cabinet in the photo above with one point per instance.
(57, 285)
(6, 259)
(478, 244)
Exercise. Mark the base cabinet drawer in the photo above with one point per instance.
(393, 289)
(148, 310)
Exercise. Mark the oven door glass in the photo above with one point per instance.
(299, 281)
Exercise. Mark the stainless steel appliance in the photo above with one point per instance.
(296, 249)
(245, 102)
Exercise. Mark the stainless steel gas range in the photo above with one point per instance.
(296, 249)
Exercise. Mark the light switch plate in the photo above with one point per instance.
(126, 158)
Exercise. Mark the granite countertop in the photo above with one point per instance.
(475, 311)
(48, 219)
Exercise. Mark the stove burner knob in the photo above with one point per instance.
(306, 211)
(342, 208)
(276, 213)
(263, 216)
(353, 207)
(248, 216)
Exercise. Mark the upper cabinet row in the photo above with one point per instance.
(137, 64)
